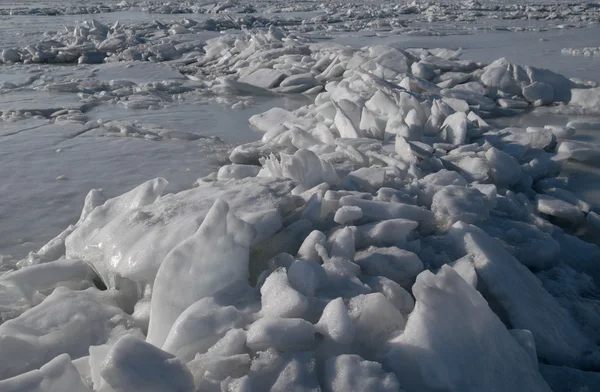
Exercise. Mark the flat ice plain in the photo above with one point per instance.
(299, 196)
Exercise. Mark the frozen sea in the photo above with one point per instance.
(37, 206)
(400, 258)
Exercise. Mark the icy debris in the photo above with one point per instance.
(38, 335)
(524, 302)
(428, 356)
(351, 372)
(296, 265)
(58, 375)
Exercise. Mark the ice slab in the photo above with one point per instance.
(451, 317)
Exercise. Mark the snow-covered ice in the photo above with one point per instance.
(315, 196)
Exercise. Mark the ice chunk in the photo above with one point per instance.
(347, 214)
(375, 319)
(455, 203)
(19, 289)
(271, 118)
(587, 98)
(579, 151)
(524, 302)
(308, 250)
(396, 264)
(282, 334)
(343, 243)
(279, 299)
(559, 208)
(200, 326)
(237, 172)
(130, 235)
(272, 371)
(505, 170)
(530, 245)
(306, 276)
(58, 375)
(289, 239)
(190, 272)
(335, 323)
(133, 365)
(304, 166)
(396, 294)
(377, 210)
(465, 268)
(539, 91)
(453, 333)
(38, 335)
(264, 77)
(352, 373)
(385, 233)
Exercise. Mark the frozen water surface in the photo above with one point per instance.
(260, 195)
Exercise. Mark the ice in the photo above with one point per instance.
(302, 274)
(453, 333)
(65, 322)
(134, 365)
(279, 299)
(454, 203)
(396, 264)
(375, 319)
(306, 276)
(24, 288)
(524, 303)
(465, 268)
(335, 323)
(558, 208)
(282, 334)
(115, 238)
(200, 326)
(566, 379)
(505, 169)
(264, 77)
(539, 91)
(188, 274)
(351, 372)
(579, 151)
(57, 375)
(271, 118)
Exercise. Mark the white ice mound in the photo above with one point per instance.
(129, 236)
(212, 258)
(133, 365)
(519, 296)
(65, 322)
(58, 375)
(454, 342)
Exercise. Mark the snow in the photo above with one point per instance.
(409, 215)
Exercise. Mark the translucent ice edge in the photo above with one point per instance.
(384, 237)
